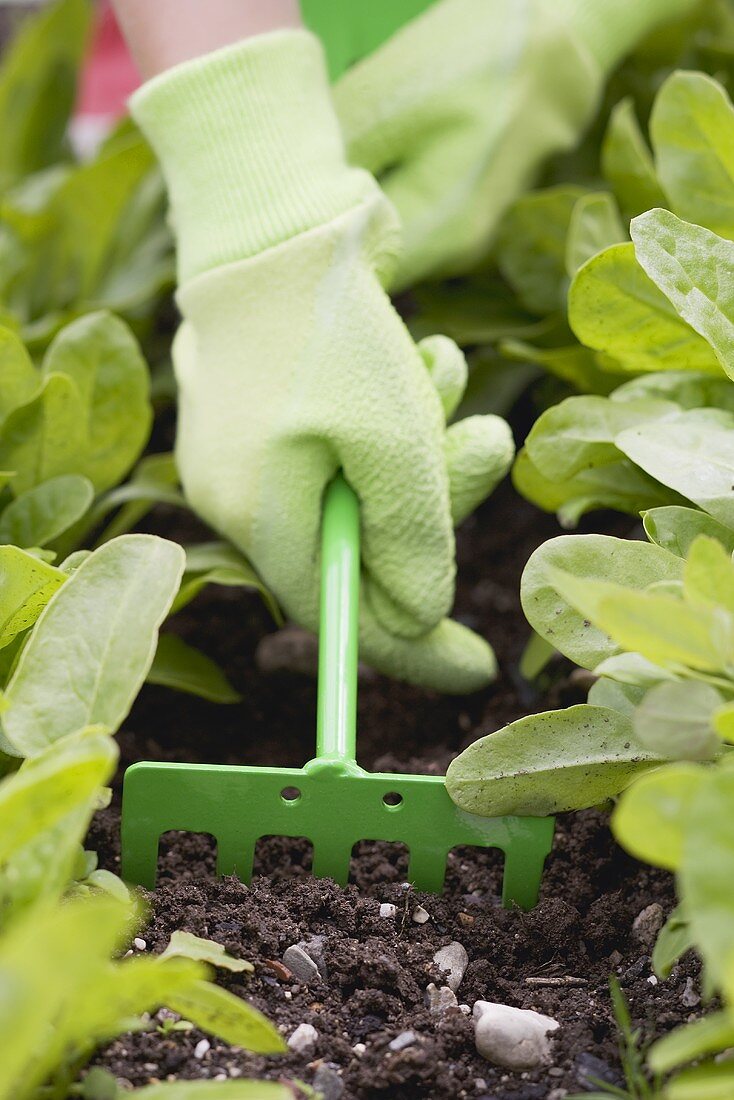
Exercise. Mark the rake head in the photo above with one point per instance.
(331, 801)
(332, 804)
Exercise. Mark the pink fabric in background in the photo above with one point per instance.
(109, 75)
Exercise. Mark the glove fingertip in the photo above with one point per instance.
(447, 368)
(479, 452)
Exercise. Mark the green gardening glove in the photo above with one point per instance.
(457, 111)
(292, 362)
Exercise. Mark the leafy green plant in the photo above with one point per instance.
(63, 923)
(74, 237)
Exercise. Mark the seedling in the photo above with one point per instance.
(331, 800)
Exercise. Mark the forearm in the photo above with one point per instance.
(162, 33)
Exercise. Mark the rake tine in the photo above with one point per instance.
(522, 874)
(331, 859)
(235, 857)
(426, 870)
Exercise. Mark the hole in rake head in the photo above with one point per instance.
(282, 857)
(475, 873)
(375, 862)
(186, 855)
(290, 794)
(392, 800)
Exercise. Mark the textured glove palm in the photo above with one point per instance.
(292, 363)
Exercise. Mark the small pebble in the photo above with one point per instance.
(515, 1038)
(403, 1040)
(388, 910)
(590, 1069)
(465, 1009)
(220, 1077)
(420, 915)
(440, 998)
(359, 1049)
(202, 1047)
(466, 920)
(689, 997)
(648, 923)
(140, 945)
(301, 965)
(327, 1081)
(652, 980)
(557, 1094)
(303, 1038)
(454, 959)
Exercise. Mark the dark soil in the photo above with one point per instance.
(374, 970)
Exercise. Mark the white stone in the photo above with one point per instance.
(516, 1038)
(403, 1040)
(388, 910)
(303, 1038)
(440, 998)
(359, 1049)
(421, 915)
(454, 959)
(202, 1047)
(301, 965)
(140, 945)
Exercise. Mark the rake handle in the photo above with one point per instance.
(336, 724)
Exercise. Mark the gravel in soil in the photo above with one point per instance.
(373, 970)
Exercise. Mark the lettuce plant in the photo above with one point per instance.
(74, 237)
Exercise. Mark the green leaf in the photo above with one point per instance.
(41, 514)
(41, 439)
(619, 485)
(595, 225)
(688, 389)
(708, 1082)
(577, 365)
(100, 354)
(708, 577)
(94, 643)
(26, 586)
(21, 380)
(215, 1010)
(547, 763)
(675, 720)
(694, 456)
(707, 869)
(42, 971)
(692, 132)
(615, 695)
(661, 627)
(187, 946)
(675, 529)
(183, 668)
(723, 722)
(38, 87)
(531, 247)
(692, 267)
(632, 564)
(709, 1035)
(650, 819)
(578, 433)
(216, 1090)
(627, 163)
(154, 481)
(674, 939)
(220, 563)
(46, 789)
(633, 669)
(615, 308)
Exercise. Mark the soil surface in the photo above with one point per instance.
(374, 970)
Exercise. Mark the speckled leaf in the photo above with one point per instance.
(547, 763)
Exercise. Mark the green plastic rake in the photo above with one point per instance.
(331, 800)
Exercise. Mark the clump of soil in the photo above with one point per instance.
(374, 970)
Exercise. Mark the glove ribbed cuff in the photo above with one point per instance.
(250, 147)
(609, 29)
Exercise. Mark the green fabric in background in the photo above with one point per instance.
(352, 29)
